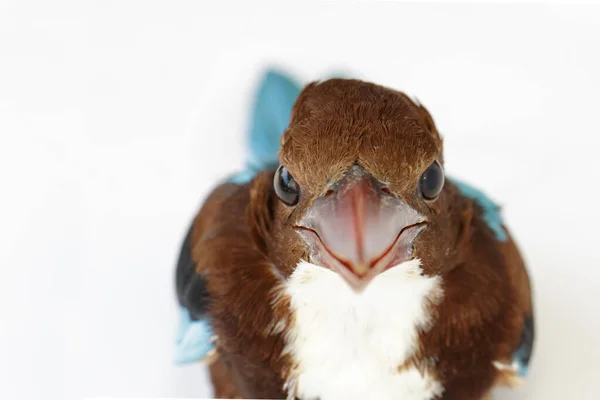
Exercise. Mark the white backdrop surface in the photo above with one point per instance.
(117, 117)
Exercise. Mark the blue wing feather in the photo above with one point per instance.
(193, 339)
(522, 355)
(270, 117)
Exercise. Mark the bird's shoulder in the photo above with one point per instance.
(195, 337)
(487, 299)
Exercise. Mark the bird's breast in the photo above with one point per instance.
(355, 346)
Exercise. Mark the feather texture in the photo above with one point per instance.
(245, 284)
(491, 212)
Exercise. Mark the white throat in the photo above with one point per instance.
(350, 346)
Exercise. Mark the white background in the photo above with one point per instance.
(116, 118)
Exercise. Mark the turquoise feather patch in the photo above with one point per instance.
(522, 368)
(270, 117)
(193, 341)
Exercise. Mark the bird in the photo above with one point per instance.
(342, 262)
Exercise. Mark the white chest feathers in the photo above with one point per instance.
(350, 346)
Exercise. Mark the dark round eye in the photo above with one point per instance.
(286, 187)
(432, 181)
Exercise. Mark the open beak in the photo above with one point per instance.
(359, 229)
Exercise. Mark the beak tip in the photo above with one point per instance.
(357, 282)
(359, 287)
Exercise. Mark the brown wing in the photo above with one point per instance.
(190, 281)
(228, 242)
(486, 313)
(519, 278)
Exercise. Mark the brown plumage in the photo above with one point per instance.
(245, 243)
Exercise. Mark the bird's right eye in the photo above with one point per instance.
(432, 181)
(286, 187)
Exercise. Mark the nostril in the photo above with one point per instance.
(385, 189)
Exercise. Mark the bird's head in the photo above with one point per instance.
(360, 185)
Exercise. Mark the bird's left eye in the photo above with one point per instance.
(432, 181)
(286, 187)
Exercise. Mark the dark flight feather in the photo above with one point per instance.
(190, 286)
